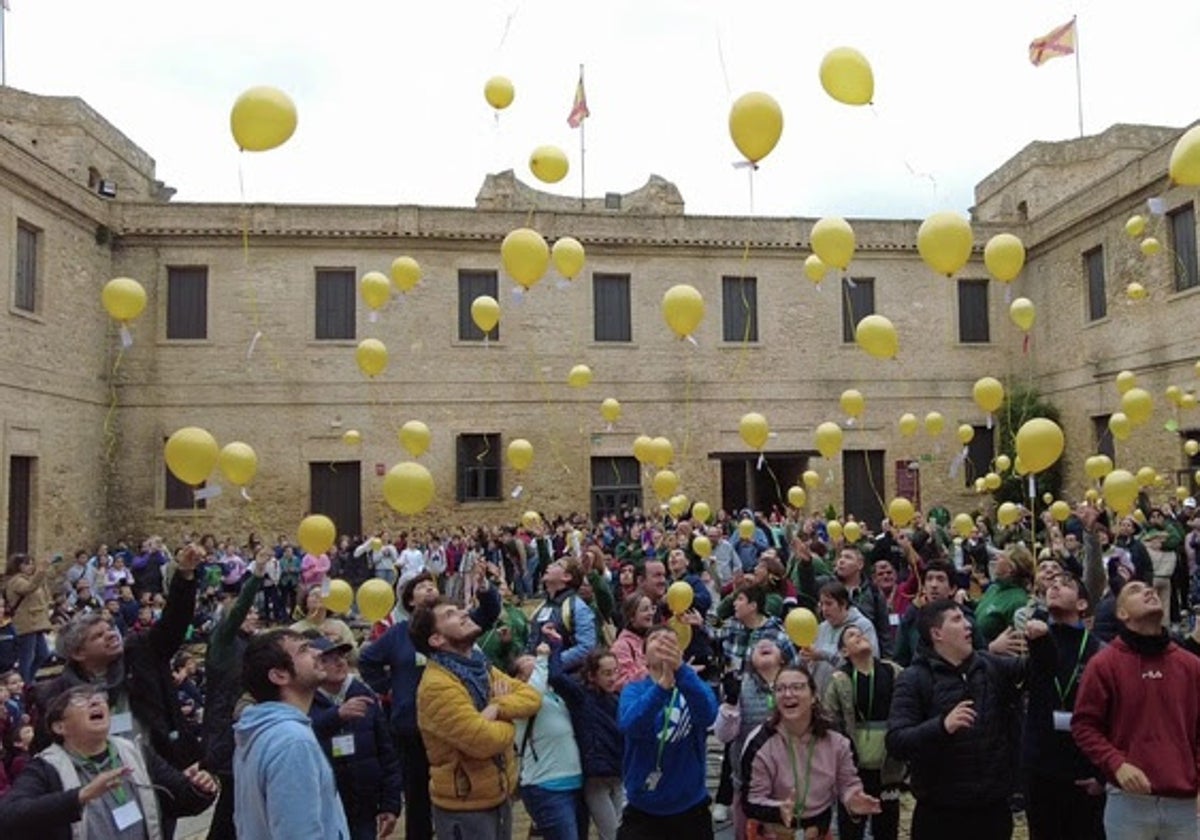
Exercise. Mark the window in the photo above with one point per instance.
(478, 467)
(472, 284)
(858, 301)
(335, 304)
(180, 496)
(1183, 246)
(187, 303)
(1102, 436)
(1093, 270)
(610, 307)
(616, 486)
(973, 326)
(980, 453)
(25, 287)
(739, 309)
(335, 489)
(20, 503)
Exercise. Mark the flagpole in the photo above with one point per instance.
(582, 150)
(1078, 77)
(3, 58)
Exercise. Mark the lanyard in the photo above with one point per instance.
(662, 736)
(870, 695)
(110, 762)
(1064, 693)
(802, 802)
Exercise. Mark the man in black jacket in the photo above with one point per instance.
(953, 720)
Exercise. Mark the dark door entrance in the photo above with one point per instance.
(744, 484)
(616, 486)
(20, 503)
(335, 489)
(864, 484)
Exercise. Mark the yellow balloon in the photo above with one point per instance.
(375, 599)
(679, 596)
(1004, 256)
(1008, 514)
(801, 626)
(1047, 498)
(340, 596)
(406, 274)
(877, 336)
(1091, 495)
(1191, 447)
(1120, 491)
(1135, 226)
(191, 453)
(372, 356)
(316, 534)
(408, 487)
(1150, 246)
(1187, 401)
(934, 423)
(661, 452)
(568, 256)
(908, 424)
(610, 410)
(485, 312)
(499, 93)
(702, 546)
(352, 437)
(753, 429)
(123, 298)
(901, 511)
(525, 255)
(988, 394)
(415, 438)
(755, 124)
(1098, 466)
(548, 164)
(944, 242)
(846, 76)
(683, 309)
(701, 512)
(1146, 476)
(643, 449)
(966, 433)
(1136, 291)
(1125, 381)
(829, 439)
(832, 240)
(678, 504)
(835, 530)
(746, 529)
(682, 631)
(376, 289)
(520, 454)
(262, 119)
(1184, 167)
(1003, 462)
(964, 525)
(665, 484)
(852, 531)
(1181, 493)
(796, 496)
(1174, 393)
(580, 376)
(980, 485)
(1023, 312)
(1039, 444)
(812, 479)
(238, 463)
(814, 268)
(992, 481)
(1137, 405)
(1060, 510)
(852, 402)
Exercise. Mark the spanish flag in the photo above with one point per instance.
(579, 109)
(1057, 42)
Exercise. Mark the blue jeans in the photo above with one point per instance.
(32, 653)
(1129, 816)
(558, 814)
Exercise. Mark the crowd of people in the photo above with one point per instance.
(1047, 666)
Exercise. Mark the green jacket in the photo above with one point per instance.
(501, 651)
(996, 608)
(839, 702)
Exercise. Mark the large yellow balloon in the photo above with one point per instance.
(340, 596)
(702, 546)
(852, 531)
(661, 452)
(580, 376)
(678, 504)
(485, 312)
(1184, 168)
(1060, 510)
(814, 268)
(755, 124)
(966, 433)
(643, 449)
(801, 626)
(877, 336)
(531, 519)
(908, 424)
(901, 511)
(746, 529)
(796, 496)
(832, 240)
(682, 631)
(191, 453)
(829, 439)
(1004, 256)
(238, 463)
(525, 255)
(1039, 444)
(499, 93)
(753, 429)
(988, 394)
(262, 119)
(1125, 380)
(701, 512)
(352, 437)
(679, 596)
(1097, 466)
(1136, 291)
(846, 76)
(665, 484)
(408, 487)
(963, 525)
(375, 599)
(316, 534)
(376, 289)
(372, 356)
(568, 256)
(1120, 491)
(610, 410)
(1187, 400)
(1146, 476)
(852, 402)
(835, 530)
(548, 164)
(1149, 247)
(123, 298)
(944, 242)
(934, 423)
(1119, 425)
(1191, 447)
(406, 273)
(1137, 405)
(992, 481)
(520, 454)
(683, 309)
(1174, 393)
(1135, 225)
(1008, 514)
(415, 438)
(1003, 463)
(1023, 312)
(812, 479)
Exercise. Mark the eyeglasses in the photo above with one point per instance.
(82, 701)
(791, 688)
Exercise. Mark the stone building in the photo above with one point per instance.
(253, 318)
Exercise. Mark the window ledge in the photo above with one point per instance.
(184, 342)
(494, 502)
(181, 513)
(976, 345)
(334, 342)
(740, 345)
(26, 314)
(1184, 293)
(1087, 325)
(462, 342)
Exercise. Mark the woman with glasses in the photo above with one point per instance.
(796, 767)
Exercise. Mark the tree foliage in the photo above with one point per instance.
(1022, 403)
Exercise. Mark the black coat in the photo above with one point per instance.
(594, 719)
(975, 766)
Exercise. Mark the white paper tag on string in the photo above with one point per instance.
(253, 343)
(562, 283)
(850, 284)
(1008, 295)
(126, 337)
(692, 339)
(1032, 487)
(210, 492)
(373, 316)
(849, 422)
(517, 491)
(989, 421)
(518, 295)
(762, 459)
(246, 495)
(743, 164)
(1156, 205)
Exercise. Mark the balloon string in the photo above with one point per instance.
(743, 356)
(110, 432)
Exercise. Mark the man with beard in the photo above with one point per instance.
(465, 710)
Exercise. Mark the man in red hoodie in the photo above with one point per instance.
(1137, 718)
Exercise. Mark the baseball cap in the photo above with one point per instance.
(324, 646)
(1189, 502)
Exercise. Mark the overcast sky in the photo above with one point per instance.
(391, 107)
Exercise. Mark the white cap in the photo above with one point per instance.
(1189, 502)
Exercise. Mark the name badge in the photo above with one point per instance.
(1062, 721)
(343, 745)
(894, 619)
(652, 780)
(543, 615)
(121, 722)
(127, 815)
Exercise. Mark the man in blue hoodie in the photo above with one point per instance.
(285, 786)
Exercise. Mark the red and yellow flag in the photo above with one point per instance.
(579, 109)
(1057, 42)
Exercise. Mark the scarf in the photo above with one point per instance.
(472, 670)
(1145, 645)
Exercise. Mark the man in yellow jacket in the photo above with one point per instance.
(465, 711)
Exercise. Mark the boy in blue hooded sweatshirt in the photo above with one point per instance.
(285, 786)
(665, 719)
